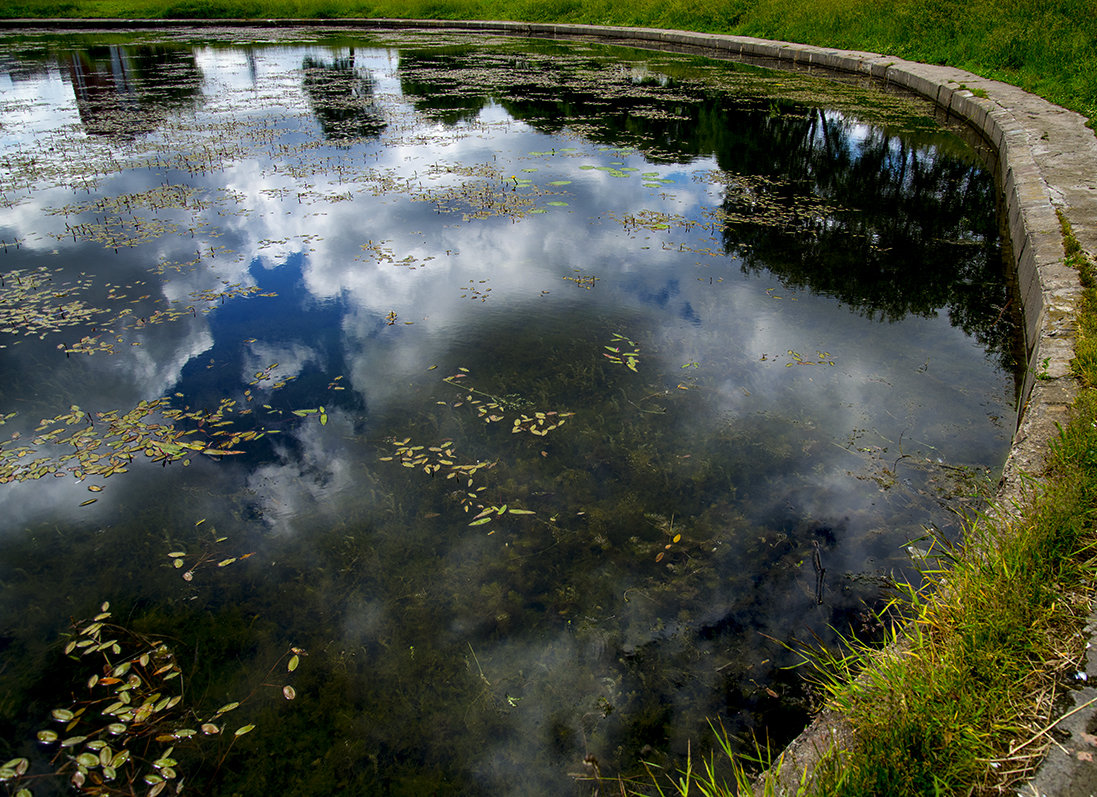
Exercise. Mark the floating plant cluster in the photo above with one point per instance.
(101, 444)
(490, 409)
(120, 737)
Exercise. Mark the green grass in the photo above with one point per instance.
(1048, 47)
(990, 637)
(990, 634)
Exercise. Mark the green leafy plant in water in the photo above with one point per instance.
(617, 353)
(32, 304)
(434, 459)
(538, 424)
(106, 443)
(443, 457)
(120, 739)
(582, 280)
(207, 556)
(508, 401)
(319, 412)
(823, 358)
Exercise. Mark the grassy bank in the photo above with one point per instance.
(994, 633)
(1046, 47)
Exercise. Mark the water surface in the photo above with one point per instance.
(542, 398)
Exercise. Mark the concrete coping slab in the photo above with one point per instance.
(1047, 161)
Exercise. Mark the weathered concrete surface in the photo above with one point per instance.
(1047, 163)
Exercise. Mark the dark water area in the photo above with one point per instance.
(479, 416)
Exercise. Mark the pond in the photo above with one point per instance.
(418, 414)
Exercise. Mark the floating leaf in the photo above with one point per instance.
(243, 730)
(522, 512)
(89, 760)
(481, 521)
(293, 662)
(46, 737)
(289, 692)
(14, 768)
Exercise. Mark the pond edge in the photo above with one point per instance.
(1047, 162)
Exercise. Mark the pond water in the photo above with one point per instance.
(480, 414)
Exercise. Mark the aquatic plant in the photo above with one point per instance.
(121, 738)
